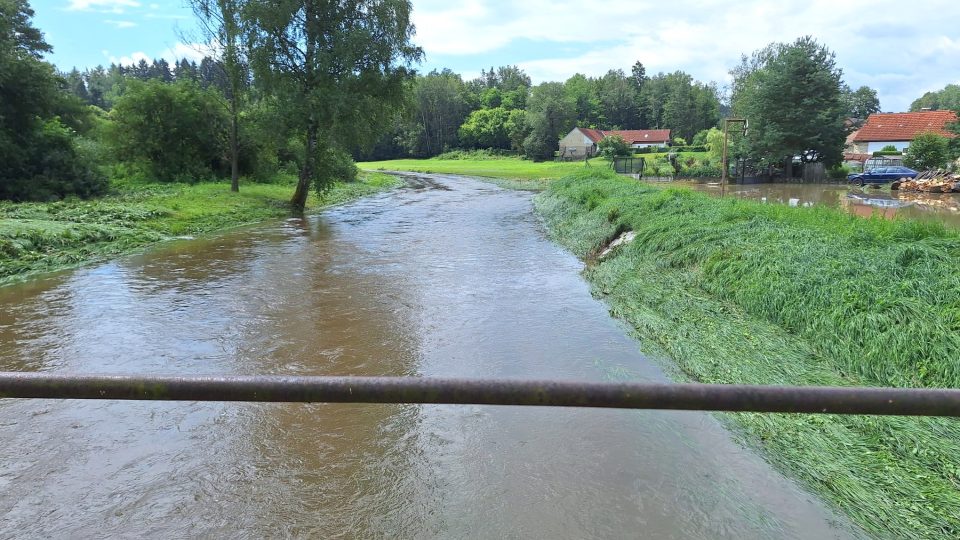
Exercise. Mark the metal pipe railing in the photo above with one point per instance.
(622, 395)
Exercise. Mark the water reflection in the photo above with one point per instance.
(865, 202)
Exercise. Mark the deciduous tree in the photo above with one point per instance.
(791, 95)
(341, 64)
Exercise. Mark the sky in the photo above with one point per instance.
(901, 49)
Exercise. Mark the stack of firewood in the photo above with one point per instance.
(933, 181)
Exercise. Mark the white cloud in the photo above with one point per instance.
(105, 6)
(189, 51)
(120, 24)
(131, 60)
(876, 42)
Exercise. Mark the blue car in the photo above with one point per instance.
(881, 175)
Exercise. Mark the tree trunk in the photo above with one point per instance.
(299, 201)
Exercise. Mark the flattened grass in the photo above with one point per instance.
(740, 292)
(41, 237)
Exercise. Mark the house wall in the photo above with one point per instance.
(877, 146)
(577, 144)
(857, 148)
(646, 145)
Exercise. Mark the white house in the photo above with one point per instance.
(898, 130)
(582, 142)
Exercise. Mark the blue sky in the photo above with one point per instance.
(900, 49)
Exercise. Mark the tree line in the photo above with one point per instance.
(309, 87)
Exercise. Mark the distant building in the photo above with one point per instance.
(897, 130)
(582, 142)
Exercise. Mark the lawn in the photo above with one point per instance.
(509, 168)
(739, 292)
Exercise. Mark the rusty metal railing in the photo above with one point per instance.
(621, 395)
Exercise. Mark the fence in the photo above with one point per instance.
(625, 395)
(628, 165)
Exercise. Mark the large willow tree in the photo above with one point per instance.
(338, 67)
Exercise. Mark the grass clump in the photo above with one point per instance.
(41, 237)
(740, 292)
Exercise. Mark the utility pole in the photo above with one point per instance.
(726, 141)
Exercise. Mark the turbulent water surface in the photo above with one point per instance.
(445, 277)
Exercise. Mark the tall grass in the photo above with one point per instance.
(740, 292)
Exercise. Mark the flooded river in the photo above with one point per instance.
(865, 202)
(445, 277)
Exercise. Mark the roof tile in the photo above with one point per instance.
(904, 126)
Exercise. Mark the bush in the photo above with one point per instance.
(175, 131)
(613, 146)
(890, 148)
(927, 151)
(52, 166)
(334, 165)
(838, 172)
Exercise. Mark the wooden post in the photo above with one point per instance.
(723, 161)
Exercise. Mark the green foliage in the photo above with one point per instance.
(614, 145)
(946, 99)
(550, 115)
(475, 155)
(927, 151)
(838, 172)
(715, 144)
(675, 101)
(860, 103)
(174, 131)
(679, 141)
(791, 95)
(738, 292)
(39, 157)
(491, 128)
(890, 148)
(334, 165)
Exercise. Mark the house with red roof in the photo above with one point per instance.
(582, 142)
(898, 129)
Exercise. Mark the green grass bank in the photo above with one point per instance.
(735, 291)
(508, 167)
(42, 237)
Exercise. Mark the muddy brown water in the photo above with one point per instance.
(445, 277)
(865, 202)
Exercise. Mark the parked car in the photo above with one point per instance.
(881, 175)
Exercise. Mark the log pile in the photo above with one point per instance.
(933, 181)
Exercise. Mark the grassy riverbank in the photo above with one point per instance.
(510, 168)
(41, 237)
(740, 292)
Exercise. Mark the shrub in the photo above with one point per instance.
(52, 166)
(174, 130)
(612, 146)
(890, 148)
(927, 151)
(838, 172)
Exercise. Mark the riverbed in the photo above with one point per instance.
(445, 277)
